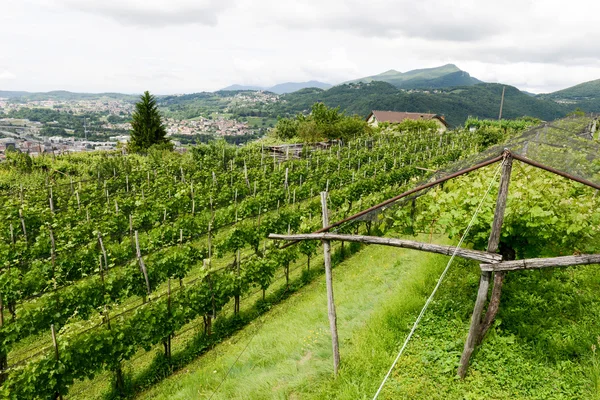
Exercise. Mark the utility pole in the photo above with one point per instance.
(501, 103)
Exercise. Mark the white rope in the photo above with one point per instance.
(439, 282)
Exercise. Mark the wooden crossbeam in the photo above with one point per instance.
(477, 255)
(535, 263)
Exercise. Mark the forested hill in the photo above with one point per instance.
(482, 100)
(426, 78)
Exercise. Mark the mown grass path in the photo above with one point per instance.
(290, 345)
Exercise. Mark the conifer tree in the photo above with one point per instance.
(147, 128)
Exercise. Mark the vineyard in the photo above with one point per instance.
(105, 256)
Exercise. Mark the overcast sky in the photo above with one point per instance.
(185, 46)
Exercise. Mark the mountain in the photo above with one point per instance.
(5, 94)
(457, 104)
(290, 87)
(281, 88)
(583, 91)
(242, 87)
(64, 95)
(585, 96)
(427, 78)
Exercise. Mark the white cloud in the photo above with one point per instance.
(175, 46)
(154, 13)
(7, 75)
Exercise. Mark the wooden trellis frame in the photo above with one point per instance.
(492, 266)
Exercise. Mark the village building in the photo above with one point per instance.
(395, 117)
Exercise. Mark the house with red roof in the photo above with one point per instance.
(395, 117)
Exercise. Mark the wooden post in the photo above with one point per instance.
(208, 327)
(103, 250)
(101, 271)
(236, 297)
(3, 355)
(209, 241)
(52, 254)
(119, 381)
(475, 329)
(329, 282)
(141, 262)
(23, 224)
(167, 342)
(57, 395)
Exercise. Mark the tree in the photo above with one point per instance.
(147, 128)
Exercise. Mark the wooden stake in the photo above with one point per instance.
(52, 253)
(23, 224)
(103, 249)
(1, 315)
(55, 343)
(141, 262)
(329, 281)
(484, 282)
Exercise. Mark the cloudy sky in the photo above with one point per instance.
(184, 46)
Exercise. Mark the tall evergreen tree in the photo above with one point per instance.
(147, 128)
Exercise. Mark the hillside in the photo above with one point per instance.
(583, 91)
(457, 104)
(427, 78)
(281, 88)
(64, 95)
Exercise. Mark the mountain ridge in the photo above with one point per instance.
(280, 88)
(447, 75)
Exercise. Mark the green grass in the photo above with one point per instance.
(539, 348)
(290, 346)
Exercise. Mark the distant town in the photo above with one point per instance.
(61, 126)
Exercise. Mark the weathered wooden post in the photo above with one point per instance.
(3, 355)
(57, 395)
(329, 282)
(103, 250)
(475, 329)
(167, 341)
(141, 262)
(23, 224)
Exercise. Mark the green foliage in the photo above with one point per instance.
(286, 128)
(322, 123)
(517, 124)
(22, 162)
(578, 112)
(53, 131)
(410, 125)
(156, 190)
(545, 214)
(147, 128)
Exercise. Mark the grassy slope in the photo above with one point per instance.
(539, 348)
(292, 345)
